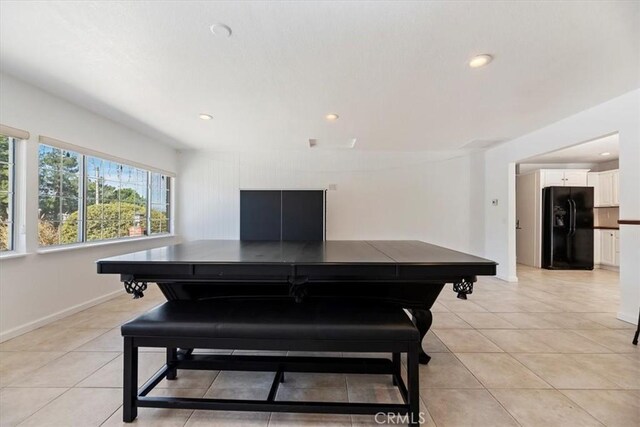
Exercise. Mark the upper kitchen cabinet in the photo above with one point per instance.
(563, 177)
(606, 186)
(616, 187)
(552, 178)
(575, 178)
(593, 180)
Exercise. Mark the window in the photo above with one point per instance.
(116, 200)
(7, 146)
(59, 196)
(86, 198)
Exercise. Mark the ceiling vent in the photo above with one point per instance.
(316, 143)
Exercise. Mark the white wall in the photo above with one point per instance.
(38, 288)
(621, 115)
(379, 195)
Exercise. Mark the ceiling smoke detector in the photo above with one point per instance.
(315, 143)
(221, 30)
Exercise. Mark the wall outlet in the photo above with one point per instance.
(494, 202)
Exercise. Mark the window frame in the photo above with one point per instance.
(168, 189)
(83, 186)
(11, 196)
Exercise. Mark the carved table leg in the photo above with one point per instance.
(422, 319)
(463, 288)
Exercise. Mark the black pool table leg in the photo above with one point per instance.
(635, 337)
(422, 319)
(172, 355)
(397, 367)
(130, 382)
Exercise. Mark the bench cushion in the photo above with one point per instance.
(275, 319)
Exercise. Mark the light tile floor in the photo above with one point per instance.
(547, 351)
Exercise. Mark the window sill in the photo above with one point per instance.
(75, 246)
(12, 254)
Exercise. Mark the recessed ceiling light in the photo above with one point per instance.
(331, 117)
(220, 30)
(480, 60)
(606, 153)
(205, 116)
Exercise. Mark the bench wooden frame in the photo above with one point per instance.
(185, 359)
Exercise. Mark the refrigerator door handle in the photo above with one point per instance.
(572, 221)
(575, 215)
(569, 217)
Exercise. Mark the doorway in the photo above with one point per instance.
(592, 164)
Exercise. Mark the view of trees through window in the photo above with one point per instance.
(86, 198)
(6, 193)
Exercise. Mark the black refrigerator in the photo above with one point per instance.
(567, 228)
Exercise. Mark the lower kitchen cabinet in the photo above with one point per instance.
(616, 246)
(608, 252)
(596, 247)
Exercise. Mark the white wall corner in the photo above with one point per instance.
(628, 317)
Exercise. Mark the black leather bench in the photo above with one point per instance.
(276, 324)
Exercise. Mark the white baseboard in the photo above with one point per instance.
(628, 317)
(28, 327)
(510, 279)
(607, 267)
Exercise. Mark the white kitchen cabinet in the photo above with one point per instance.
(616, 248)
(616, 187)
(554, 178)
(596, 247)
(593, 181)
(605, 188)
(563, 177)
(575, 178)
(609, 248)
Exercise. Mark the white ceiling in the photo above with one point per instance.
(395, 72)
(588, 152)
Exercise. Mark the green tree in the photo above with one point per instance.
(59, 181)
(111, 220)
(59, 199)
(109, 194)
(4, 192)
